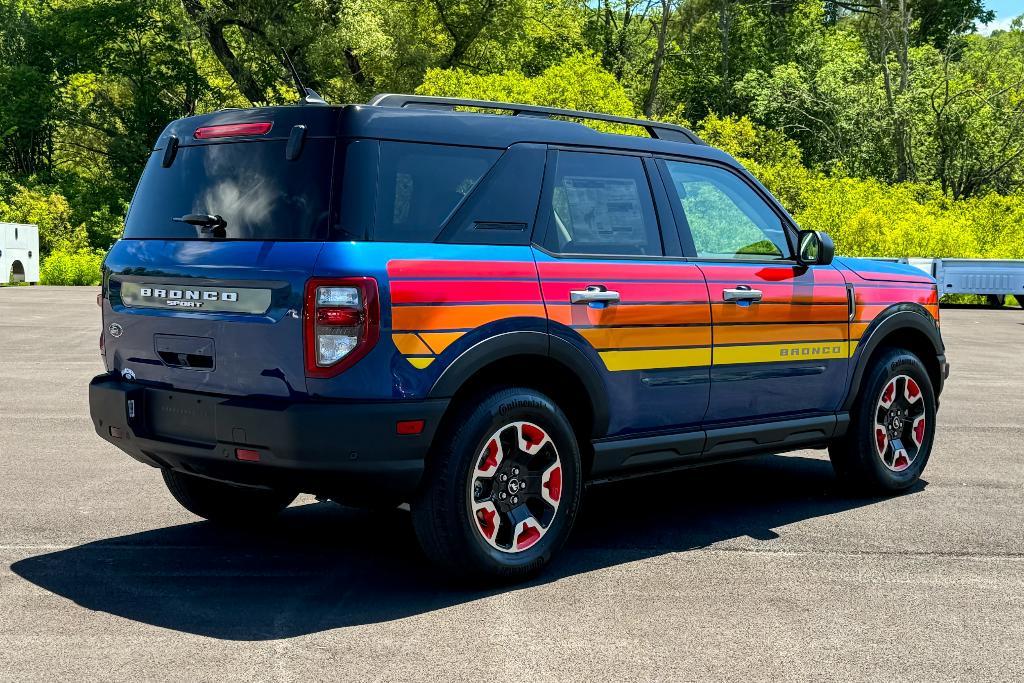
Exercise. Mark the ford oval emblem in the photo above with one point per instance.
(115, 330)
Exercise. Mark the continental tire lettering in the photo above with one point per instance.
(505, 408)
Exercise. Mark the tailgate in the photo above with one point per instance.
(210, 316)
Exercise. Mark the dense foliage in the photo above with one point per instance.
(892, 124)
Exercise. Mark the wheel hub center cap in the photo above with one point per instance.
(513, 486)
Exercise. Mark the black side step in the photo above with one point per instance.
(639, 455)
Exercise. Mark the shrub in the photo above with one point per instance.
(867, 217)
(47, 208)
(64, 267)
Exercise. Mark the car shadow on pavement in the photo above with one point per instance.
(323, 566)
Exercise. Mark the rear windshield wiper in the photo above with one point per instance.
(213, 224)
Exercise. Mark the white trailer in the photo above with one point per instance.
(991, 278)
(19, 253)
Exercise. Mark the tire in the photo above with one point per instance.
(501, 488)
(224, 503)
(892, 461)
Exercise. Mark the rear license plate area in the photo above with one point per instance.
(181, 417)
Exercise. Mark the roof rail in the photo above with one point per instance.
(662, 131)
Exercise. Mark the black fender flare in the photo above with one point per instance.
(527, 343)
(897, 317)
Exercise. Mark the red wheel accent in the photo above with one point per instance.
(554, 484)
(527, 537)
(533, 435)
(919, 431)
(881, 439)
(491, 460)
(485, 518)
(900, 462)
(889, 394)
(913, 391)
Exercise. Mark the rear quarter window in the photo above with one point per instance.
(259, 193)
(420, 185)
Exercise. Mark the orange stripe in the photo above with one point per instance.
(866, 313)
(629, 315)
(410, 345)
(439, 341)
(646, 337)
(459, 317)
(752, 334)
(778, 313)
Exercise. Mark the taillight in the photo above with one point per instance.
(341, 323)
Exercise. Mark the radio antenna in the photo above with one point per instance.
(306, 95)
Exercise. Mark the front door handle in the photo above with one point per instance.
(741, 293)
(593, 294)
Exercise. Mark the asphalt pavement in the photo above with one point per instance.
(756, 570)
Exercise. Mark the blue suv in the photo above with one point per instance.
(416, 301)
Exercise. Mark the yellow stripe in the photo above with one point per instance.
(853, 347)
(410, 345)
(775, 353)
(439, 341)
(420, 363)
(656, 358)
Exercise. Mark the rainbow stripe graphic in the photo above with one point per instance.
(671, 315)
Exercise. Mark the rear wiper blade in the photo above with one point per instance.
(205, 222)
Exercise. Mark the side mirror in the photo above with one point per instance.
(815, 248)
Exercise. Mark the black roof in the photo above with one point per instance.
(443, 125)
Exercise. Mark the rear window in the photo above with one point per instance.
(251, 185)
(420, 186)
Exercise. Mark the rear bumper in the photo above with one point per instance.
(332, 449)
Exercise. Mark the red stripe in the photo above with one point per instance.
(461, 269)
(468, 291)
(558, 292)
(800, 293)
(759, 272)
(895, 294)
(598, 272)
(883, 277)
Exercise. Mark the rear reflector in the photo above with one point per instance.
(345, 317)
(247, 455)
(409, 426)
(233, 130)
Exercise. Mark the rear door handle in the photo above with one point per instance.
(741, 293)
(593, 294)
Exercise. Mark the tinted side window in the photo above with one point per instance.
(727, 218)
(421, 184)
(601, 204)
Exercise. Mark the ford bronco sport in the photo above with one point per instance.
(416, 301)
